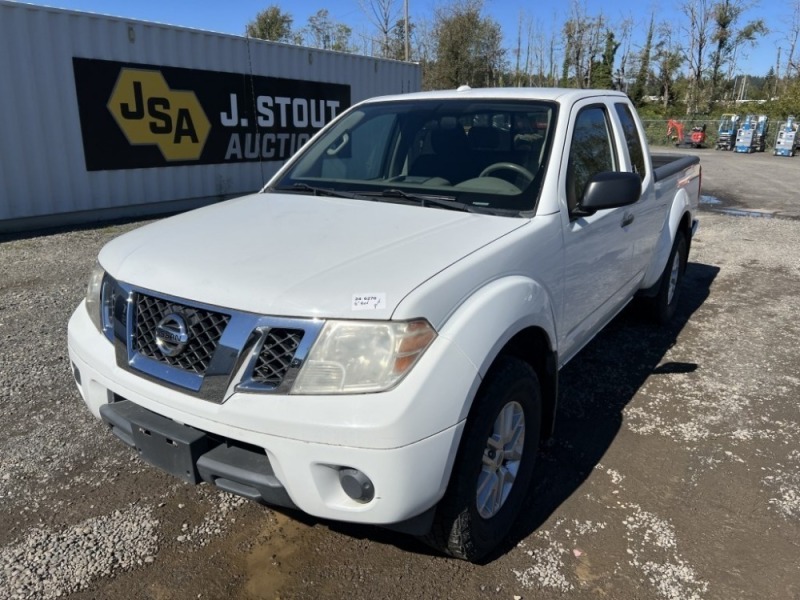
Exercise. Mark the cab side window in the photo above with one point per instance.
(632, 138)
(591, 152)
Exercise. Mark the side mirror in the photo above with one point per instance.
(610, 189)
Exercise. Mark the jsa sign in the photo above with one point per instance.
(138, 116)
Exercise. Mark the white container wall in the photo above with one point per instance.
(105, 117)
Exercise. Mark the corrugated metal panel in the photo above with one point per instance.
(43, 170)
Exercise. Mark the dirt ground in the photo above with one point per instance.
(674, 472)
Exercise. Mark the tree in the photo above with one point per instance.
(582, 35)
(602, 73)
(424, 48)
(621, 77)
(699, 14)
(638, 91)
(397, 40)
(271, 24)
(468, 48)
(322, 32)
(729, 40)
(668, 59)
(383, 15)
(789, 101)
(792, 64)
(576, 33)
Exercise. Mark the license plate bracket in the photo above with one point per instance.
(169, 446)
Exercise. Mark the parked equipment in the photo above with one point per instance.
(751, 136)
(745, 136)
(696, 139)
(786, 143)
(762, 128)
(726, 133)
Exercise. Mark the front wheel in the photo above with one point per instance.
(665, 303)
(494, 465)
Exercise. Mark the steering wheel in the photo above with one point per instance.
(508, 166)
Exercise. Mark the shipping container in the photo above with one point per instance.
(106, 117)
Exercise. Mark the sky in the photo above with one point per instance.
(232, 16)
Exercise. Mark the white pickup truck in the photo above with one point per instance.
(376, 336)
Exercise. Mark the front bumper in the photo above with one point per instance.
(404, 440)
(194, 455)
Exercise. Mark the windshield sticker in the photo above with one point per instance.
(369, 301)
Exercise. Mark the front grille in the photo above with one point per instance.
(276, 356)
(205, 329)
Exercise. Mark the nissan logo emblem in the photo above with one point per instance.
(172, 335)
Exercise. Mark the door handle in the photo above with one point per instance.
(627, 220)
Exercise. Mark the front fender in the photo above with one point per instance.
(490, 317)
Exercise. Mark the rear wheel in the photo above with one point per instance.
(665, 303)
(494, 465)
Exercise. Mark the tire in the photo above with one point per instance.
(479, 508)
(665, 303)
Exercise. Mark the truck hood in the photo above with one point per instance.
(300, 256)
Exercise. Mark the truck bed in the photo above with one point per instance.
(666, 164)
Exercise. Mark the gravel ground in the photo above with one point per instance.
(674, 473)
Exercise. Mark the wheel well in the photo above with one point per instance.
(533, 346)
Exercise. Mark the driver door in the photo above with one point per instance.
(598, 249)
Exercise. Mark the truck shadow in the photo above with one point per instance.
(596, 386)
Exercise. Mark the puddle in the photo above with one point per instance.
(717, 205)
(744, 212)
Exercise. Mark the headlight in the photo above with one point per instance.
(99, 300)
(352, 357)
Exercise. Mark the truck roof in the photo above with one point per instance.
(561, 95)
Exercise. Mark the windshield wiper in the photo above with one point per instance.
(389, 194)
(424, 200)
(318, 191)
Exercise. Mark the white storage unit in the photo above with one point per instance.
(105, 117)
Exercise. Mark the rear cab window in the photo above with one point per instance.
(632, 139)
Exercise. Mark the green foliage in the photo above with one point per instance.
(462, 45)
(468, 49)
(602, 70)
(639, 88)
(788, 103)
(729, 40)
(397, 39)
(323, 32)
(271, 24)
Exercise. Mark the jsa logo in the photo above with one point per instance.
(149, 112)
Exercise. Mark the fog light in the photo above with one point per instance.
(76, 373)
(356, 485)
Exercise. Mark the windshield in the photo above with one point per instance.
(487, 155)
